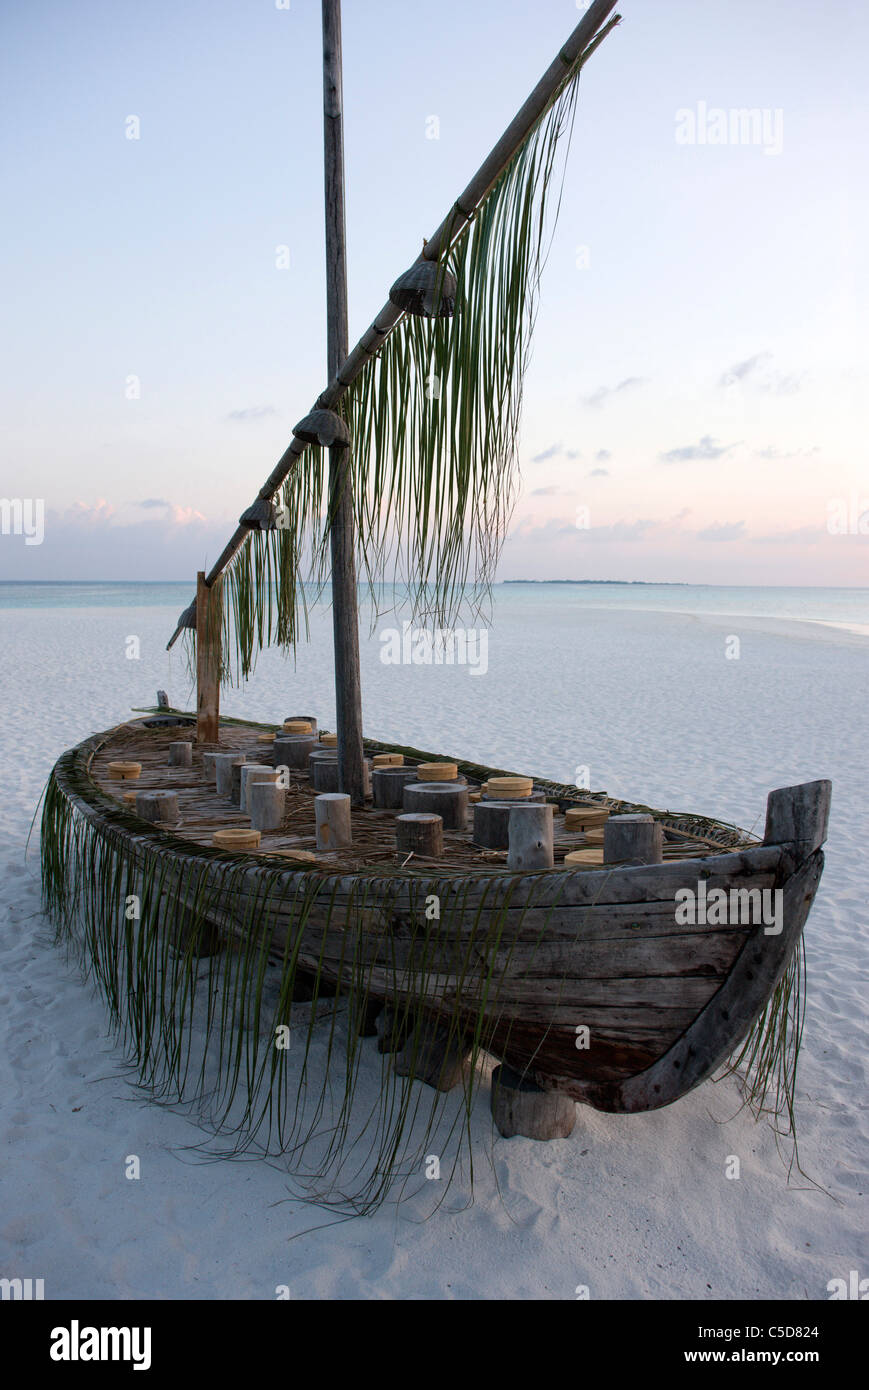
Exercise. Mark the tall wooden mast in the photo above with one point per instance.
(342, 530)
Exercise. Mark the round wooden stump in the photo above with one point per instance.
(332, 812)
(364, 1015)
(420, 833)
(223, 765)
(159, 807)
(236, 772)
(438, 1058)
(520, 1107)
(324, 774)
(265, 801)
(254, 772)
(393, 1026)
(388, 784)
(530, 838)
(492, 824)
(292, 750)
(442, 799)
(124, 772)
(208, 762)
(180, 754)
(633, 839)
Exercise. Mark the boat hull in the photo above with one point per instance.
(596, 983)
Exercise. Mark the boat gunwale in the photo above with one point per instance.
(73, 772)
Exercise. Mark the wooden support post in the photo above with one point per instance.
(393, 1026)
(342, 528)
(437, 1057)
(520, 1106)
(364, 1013)
(207, 661)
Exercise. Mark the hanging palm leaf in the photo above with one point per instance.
(434, 419)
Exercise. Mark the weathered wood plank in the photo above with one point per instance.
(208, 637)
(799, 816)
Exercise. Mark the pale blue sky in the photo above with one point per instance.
(156, 258)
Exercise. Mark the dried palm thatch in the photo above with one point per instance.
(434, 421)
(140, 910)
(139, 915)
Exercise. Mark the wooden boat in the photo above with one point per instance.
(522, 961)
(586, 981)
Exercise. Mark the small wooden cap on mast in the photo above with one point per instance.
(427, 290)
(261, 515)
(323, 427)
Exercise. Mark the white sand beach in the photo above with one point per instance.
(629, 1206)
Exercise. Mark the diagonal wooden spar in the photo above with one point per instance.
(586, 37)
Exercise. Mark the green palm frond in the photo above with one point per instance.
(435, 422)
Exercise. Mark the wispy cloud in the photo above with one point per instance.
(105, 513)
(602, 456)
(741, 371)
(690, 453)
(552, 452)
(755, 371)
(252, 412)
(723, 531)
(597, 398)
(556, 451)
(798, 535)
(599, 473)
(771, 453)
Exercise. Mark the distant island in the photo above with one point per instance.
(651, 583)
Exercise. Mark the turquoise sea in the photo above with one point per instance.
(845, 608)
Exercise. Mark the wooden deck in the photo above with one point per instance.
(203, 810)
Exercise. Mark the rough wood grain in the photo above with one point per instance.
(342, 528)
(332, 811)
(520, 1107)
(207, 662)
(632, 839)
(799, 816)
(265, 805)
(444, 799)
(418, 833)
(529, 833)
